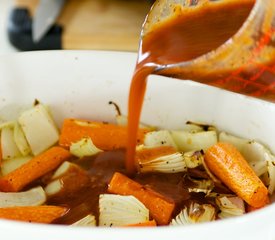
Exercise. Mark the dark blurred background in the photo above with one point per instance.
(78, 24)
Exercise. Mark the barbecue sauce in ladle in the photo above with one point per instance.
(178, 39)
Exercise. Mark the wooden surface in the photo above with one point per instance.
(99, 24)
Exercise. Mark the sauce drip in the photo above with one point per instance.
(186, 36)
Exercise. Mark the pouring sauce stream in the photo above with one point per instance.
(177, 39)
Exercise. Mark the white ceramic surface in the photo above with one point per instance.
(80, 84)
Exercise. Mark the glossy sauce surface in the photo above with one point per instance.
(100, 170)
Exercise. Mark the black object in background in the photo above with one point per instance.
(20, 33)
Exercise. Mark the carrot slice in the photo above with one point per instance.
(151, 223)
(32, 170)
(249, 208)
(38, 214)
(225, 161)
(159, 206)
(105, 136)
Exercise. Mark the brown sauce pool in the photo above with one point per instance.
(101, 169)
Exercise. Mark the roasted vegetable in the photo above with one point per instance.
(230, 206)
(88, 221)
(8, 146)
(160, 159)
(116, 210)
(83, 148)
(39, 128)
(33, 197)
(159, 138)
(196, 213)
(257, 155)
(193, 159)
(190, 141)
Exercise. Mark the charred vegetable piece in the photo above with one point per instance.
(196, 213)
(230, 206)
(204, 186)
(193, 159)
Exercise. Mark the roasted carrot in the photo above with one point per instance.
(252, 209)
(225, 161)
(37, 214)
(151, 223)
(105, 136)
(32, 170)
(159, 206)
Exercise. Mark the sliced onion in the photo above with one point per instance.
(20, 140)
(159, 138)
(9, 124)
(230, 206)
(39, 128)
(53, 188)
(33, 197)
(188, 141)
(204, 186)
(196, 213)
(116, 210)
(169, 162)
(193, 159)
(192, 127)
(10, 165)
(8, 145)
(62, 170)
(67, 179)
(88, 221)
(237, 142)
(83, 148)
(121, 120)
(271, 175)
